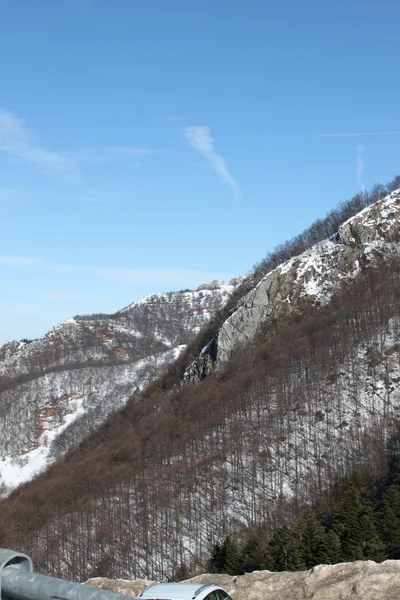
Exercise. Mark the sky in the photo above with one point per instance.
(154, 145)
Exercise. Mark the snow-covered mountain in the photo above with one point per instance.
(57, 389)
(313, 276)
(303, 386)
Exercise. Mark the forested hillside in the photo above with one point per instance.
(358, 519)
(313, 397)
(56, 389)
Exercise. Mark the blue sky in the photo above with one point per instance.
(152, 145)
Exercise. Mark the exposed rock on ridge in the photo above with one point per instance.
(310, 277)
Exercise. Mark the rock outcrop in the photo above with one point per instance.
(360, 580)
(119, 586)
(313, 276)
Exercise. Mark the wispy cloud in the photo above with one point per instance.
(360, 166)
(17, 142)
(20, 261)
(357, 134)
(107, 154)
(199, 137)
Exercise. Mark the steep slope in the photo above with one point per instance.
(55, 390)
(313, 276)
(158, 486)
(316, 394)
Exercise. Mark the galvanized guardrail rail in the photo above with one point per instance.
(19, 582)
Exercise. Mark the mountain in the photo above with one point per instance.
(296, 384)
(56, 389)
(313, 276)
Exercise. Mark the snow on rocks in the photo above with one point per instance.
(317, 273)
(56, 389)
(359, 580)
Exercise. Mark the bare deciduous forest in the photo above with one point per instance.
(172, 473)
(181, 467)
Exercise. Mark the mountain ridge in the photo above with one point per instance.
(181, 466)
(87, 367)
(360, 240)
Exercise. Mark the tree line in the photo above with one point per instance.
(327, 226)
(361, 522)
(319, 230)
(250, 445)
(181, 467)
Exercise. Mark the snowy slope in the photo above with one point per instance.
(290, 432)
(195, 503)
(313, 276)
(54, 390)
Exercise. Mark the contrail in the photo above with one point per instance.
(357, 134)
(199, 137)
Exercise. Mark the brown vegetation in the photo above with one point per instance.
(171, 464)
(179, 467)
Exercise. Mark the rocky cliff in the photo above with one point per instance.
(56, 389)
(361, 580)
(313, 276)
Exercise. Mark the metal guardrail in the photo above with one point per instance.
(19, 582)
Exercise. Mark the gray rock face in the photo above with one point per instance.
(204, 364)
(361, 580)
(310, 277)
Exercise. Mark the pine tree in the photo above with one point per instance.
(346, 524)
(372, 545)
(233, 565)
(312, 537)
(225, 558)
(252, 554)
(354, 523)
(216, 563)
(330, 550)
(390, 520)
(283, 552)
(181, 573)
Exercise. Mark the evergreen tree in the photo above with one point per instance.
(252, 554)
(329, 552)
(372, 544)
(346, 524)
(181, 573)
(283, 552)
(268, 558)
(390, 520)
(233, 565)
(311, 539)
(226, 558)
(354, 523)
(216, 563)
